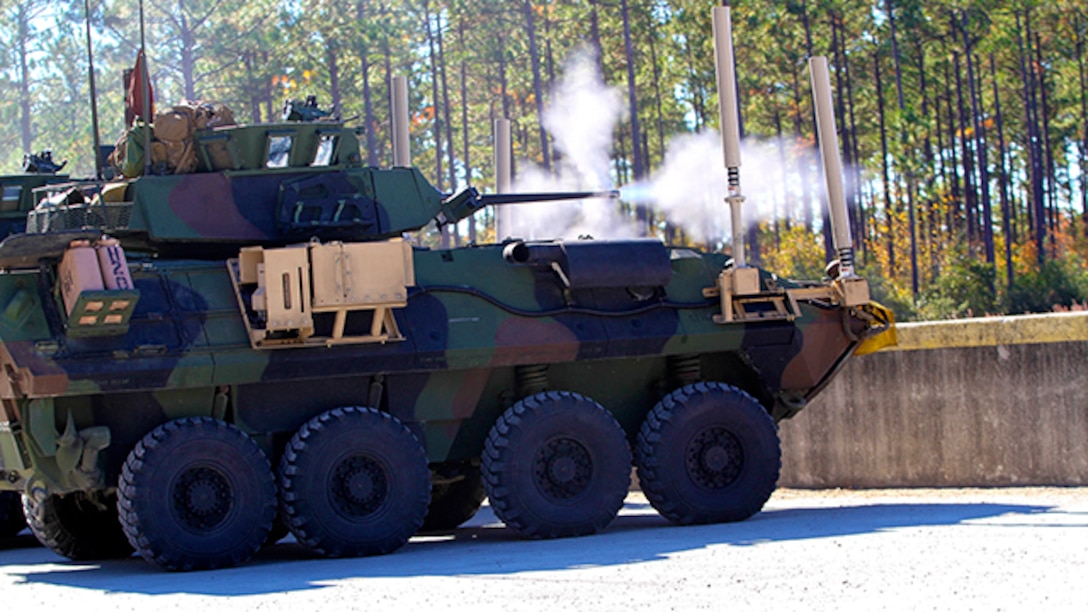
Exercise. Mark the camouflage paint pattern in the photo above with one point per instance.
(187, 354)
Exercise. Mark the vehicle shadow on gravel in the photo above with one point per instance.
(484, 547)
(23, 539)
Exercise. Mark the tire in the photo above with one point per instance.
(454, 503)
(11, 514)
(75, 527)
(278, 532)
(556, 464)
(197, 493)
(708, 453)
(354, 482)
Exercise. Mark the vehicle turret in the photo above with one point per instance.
(269, 184)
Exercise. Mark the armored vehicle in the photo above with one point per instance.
(17, 191)
(193, 360)
(17, 198)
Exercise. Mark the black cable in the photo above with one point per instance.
(557, 311)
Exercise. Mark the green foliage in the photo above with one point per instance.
(890, 295)
(965, 288)
(1059, 283)
(797, 254)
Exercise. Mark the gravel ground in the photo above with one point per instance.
(915, 549)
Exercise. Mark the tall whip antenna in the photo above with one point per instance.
(94, 94)
(730, 124)
(145, 84)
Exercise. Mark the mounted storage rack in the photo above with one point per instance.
(95, 286)
(318, 294)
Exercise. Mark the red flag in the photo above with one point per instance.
(134, 90)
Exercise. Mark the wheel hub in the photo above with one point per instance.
(714, 458)
(202, 498)
(359, 486)
(562, 468)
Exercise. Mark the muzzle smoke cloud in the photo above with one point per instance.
(688, 190)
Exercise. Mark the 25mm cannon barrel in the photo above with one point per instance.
(464, 204)
(525, 198)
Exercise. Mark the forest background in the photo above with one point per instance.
(962, 123)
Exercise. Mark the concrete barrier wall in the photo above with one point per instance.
(977, 402)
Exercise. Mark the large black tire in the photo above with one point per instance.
(454, 503)
(75, 527)
(708, 453)
(11, 514)
(354, 482)
(556, 464)
(278, 532)
(197, 493)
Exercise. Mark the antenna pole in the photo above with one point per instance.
(730, 124)
(94, 94)
(402, 146)
(829, 148)
(145, 84)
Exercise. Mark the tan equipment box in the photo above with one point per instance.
(294, 283)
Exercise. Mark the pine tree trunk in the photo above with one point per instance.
(23, 37)
(332, 60)
(1083, 143)
(1036, 216)
(1048, 150)
(802, 158)
(855, 169)
(433, 56)
(187, 52)
(927, 215)
(843, 131)
(368, 113)
(595, 36)
(538, 86)
(986, 224)
(698, 95)
(438, 183)
(786, 210)
(465, 159)
(254, 98)
(641, 215)
(368, 103)
(621, 155)
(451, 154)
(387, 56)
(503, 79)
(809, 153)
(660, 124)
(549, 63)
(969, 201)
(1003, 179)
(935, 159)
(957, 191)
(889, 210)
(889, 10)
(938, 131)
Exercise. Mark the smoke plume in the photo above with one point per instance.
(688, 189)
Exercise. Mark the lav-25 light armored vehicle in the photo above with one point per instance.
(17, 191)
(17, 198)
(189, 359)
